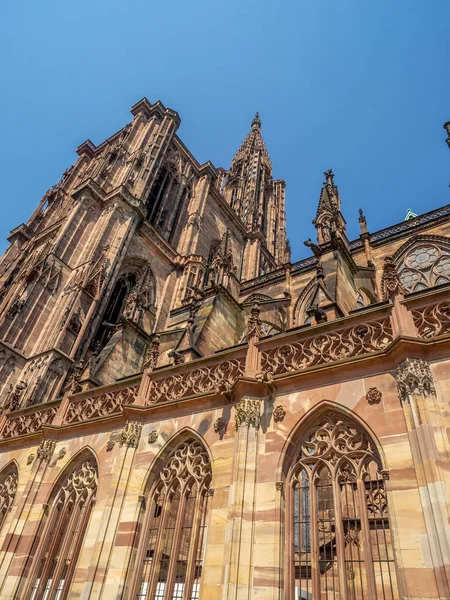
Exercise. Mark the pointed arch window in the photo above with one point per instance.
(339, 543)
(8, 487)
(114, 309)
(63, 532)
(170, 556)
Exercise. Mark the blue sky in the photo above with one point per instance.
(361, 87)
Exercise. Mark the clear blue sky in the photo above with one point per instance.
(361, 87)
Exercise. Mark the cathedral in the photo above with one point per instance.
(186, 414)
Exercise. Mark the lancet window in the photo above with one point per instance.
(8, 488)
(115, 308)
(167, 197)
(339, 542)
(63, 532)
(170, 556)
(425, 266)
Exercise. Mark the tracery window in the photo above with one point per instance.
(172, 546)
(63, 532)
(8, 488)
(425, 266)
(339, 543)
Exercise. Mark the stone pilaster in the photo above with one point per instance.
(124, 443)
(418, 395)
(240, 533)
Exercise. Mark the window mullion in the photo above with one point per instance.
(176, 545)
(315, 571)
(62, 552)
(159, 544)
(365, 528)
(74, 548)
(340, 545)
(289, 545)
(57, 522)
(199, 510)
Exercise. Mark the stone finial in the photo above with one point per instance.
(256, 123)
(447, 129)
(362, 223)
(414, 377)
(329, 177)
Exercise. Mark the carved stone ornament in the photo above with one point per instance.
(45, 450)
(30, 459)
(130, 434)
(414, 377)
(110, 445)
(248, 412)
(73, 383)
(152, 354)
(265, 378)
(279, 412)
(62, 453)
(254, 323)
(279, 486)
(374, 396)
(152, 436)
(390, 280)
(219, 424)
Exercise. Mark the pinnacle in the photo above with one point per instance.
(256, 123)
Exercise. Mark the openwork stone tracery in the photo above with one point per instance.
(63, 531)
(328, 347)
(425, 266)
(171, 549)
(339, 539)
(8, 488)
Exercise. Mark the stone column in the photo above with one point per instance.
(418, 395)
(240, 531)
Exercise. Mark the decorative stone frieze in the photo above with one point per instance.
(248, 412)
(414, 377)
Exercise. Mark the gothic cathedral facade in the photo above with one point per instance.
(186, 414)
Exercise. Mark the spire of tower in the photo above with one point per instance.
(328, 217)
(253, 144)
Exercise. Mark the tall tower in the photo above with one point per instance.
(259, 201)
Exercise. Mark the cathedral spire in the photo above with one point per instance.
(257, 199)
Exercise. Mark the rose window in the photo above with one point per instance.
(425, 267)
(422, 257)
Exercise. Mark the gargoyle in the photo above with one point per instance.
(314, 247)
